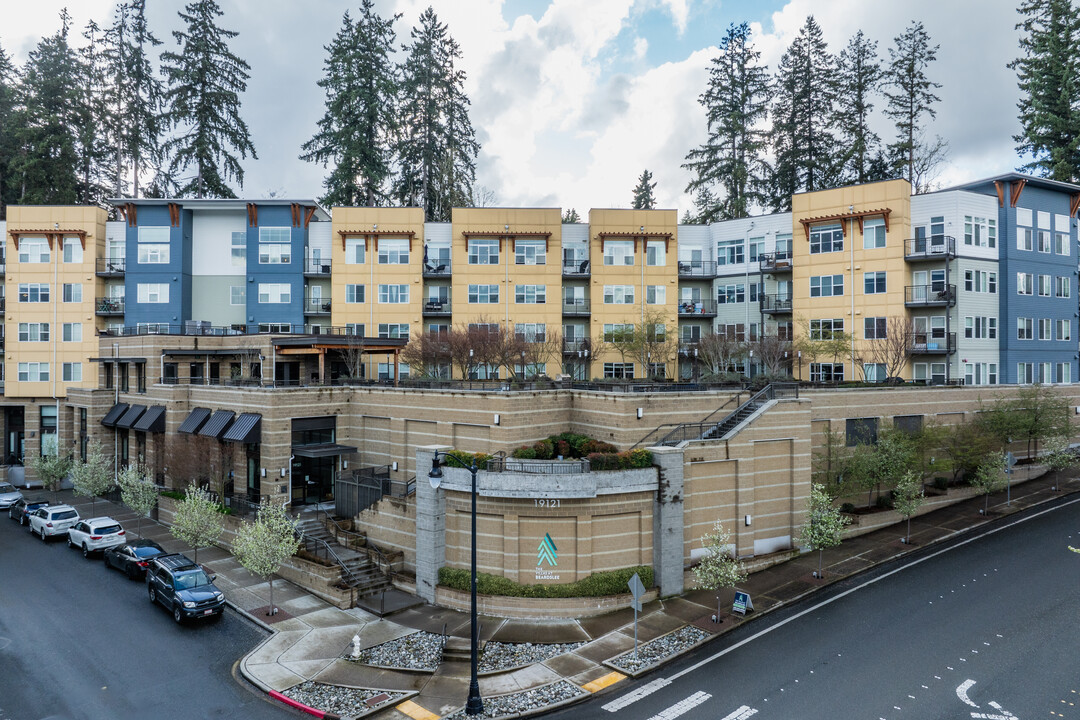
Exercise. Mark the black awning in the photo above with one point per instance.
(113, 415)
(327, 450)
(133, 413)
(194, 421)
(246, 429)
(216, 425)
(153, 420)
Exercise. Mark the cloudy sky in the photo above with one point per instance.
(571, 99)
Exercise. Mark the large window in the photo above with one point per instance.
(393, 251)
(826, 372)
(1064, 330)
(1023, 239)
(483, 294)
(72, 332)
(861, 431)
(530, 252)
(394, 294)
(275, 246)
(655, 253)
(1025, 284)
(530, 294)
(1062, 287)
(618, 332)
(1025, 328)
(1045, 329)
(875, 328)
(275, 293)
(730, 252)
(980, 281)
(72, 292)
(33, 292)
(239, 248)
(73, 250)
(826, 329)
(1045, 283)
(618, 252)
(531, 332)
(1061, 243)
(734, 293)
(980, 328)
(72, 372)
(874, 233)
(826, 285)
(153, 293)
(873, 283)
(33, 372)
(981, 232)
(618, 294)
(33, 250)
(656, 294)
(394, 330)
(483, 251)
(826, 239)
(33, 332)
(354, 293)
(354, 250)
(238, 295)
(1044, 241)
(620, 371)
(153, 245)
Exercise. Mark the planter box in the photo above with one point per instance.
(537, 608)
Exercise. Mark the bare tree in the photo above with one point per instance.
(540, 349)
(719, 351)
(656, 344)
(425, 353)
(188, 460)
(353, 356)
(893, 350)
(772, 352)
(928, 158)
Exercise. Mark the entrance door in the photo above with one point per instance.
(312, 480)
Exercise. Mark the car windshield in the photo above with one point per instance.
(188, 580)
(146, 551)
(6, 488)
(65, 515)
(108, 529)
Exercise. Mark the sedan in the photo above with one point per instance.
(52, 520)
(96, 534)
(8, 495)
(133, 558)
(22, 508)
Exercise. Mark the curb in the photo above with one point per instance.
(302, 707)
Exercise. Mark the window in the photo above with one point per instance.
(393, 251)
(1063, 373)
(730, 252)
(736, 331)
(622, 371)
(72, 332)
(1023, 239)
(1062, 287)
(1061, 243)
(275, 293)
(394, 294)
(530, 252)
(530, 294)
(826, 238)
(270, 254)
(618, 332)
(875, 328)
(33, 250)
(238, 295)
(861, 431)
(239, 248)
(1024, 328)
(531, 332)
(910, 424)
(33, 372)
(783, 246)
(690, 333)
(655, 253)
(153, 292)
(980, 232)
(1024, 284)
(1045, 328)
(826, 329)
(726, 294)
(826, 285)
(33, 332)
(874, 372)
(655, 294)
(72, 292)
(873, 283)
(1044, 285)
(354, 329)
(1064, 330)
(618, 252)
(618, 294)
(980, 328)
(1044, 372)
(140, 377)
(145, 328)
(873, 233)
(72, 372)
(826, 372)
(33, 292)
(980, 374)
(354, 293)
(1044, 241)
(354, 250)
(1025, 373)
(153, 254)
(483, 294)
(386, 371)
(757, 248)
(483, 251)
(73, 251)
(756, 289)
(394, 330)
(980, 281)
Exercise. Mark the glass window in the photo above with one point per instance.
(354, 250)
(531, 332)
(1045, 329)
(154, 234)
(483, 294)
(393, 251)
(826, 285)
(238, 295)
(33, 250)
(1044, 285)
(757, 248)
(730, 252)
(33, 292)
(826, 238)
(1024, 284)
(72, 332)
(1044, 241)
(618, 252)
(826, 329)
(33, 332)
(394, 294)
(153, 292)
(1062, 287)
(1064, 330)
(1061, 244)
(621, 371)
(874, 233)
(394, 330)
(72, 372)
(618, 294)
(33, 372)
(826, 372)
(239, 248)
(1025, 328)
(274, 254)
(1023, 239)
(483, 251)
(873, 283)
(275, 293)
(153, 254)
(530, 294)
(73, 251)
(617, 332)
(655, 253)
(72, 292)
(354, 293)
(875, 328)
(530, 252)
(656, 294)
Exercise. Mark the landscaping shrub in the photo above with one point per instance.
(941, 483)
(545, 450)
(174, 494)
(562, 448)
(601, 584)
(848, 508)
(468, 458)
(524, 453)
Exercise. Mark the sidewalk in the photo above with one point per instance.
(310, 636)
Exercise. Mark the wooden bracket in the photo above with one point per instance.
(1000, 187)
(253, 214)
(131, 214)
(1074, 204)
(174, 215)
(295, 210)
(1017, 188)
(308, 215)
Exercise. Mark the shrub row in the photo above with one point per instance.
(626, 460)
(568, 445)
(601, 584)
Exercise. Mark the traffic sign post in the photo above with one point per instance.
(637, 589)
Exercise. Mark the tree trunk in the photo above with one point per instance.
(271, 610)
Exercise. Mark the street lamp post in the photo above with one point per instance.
(474, 705)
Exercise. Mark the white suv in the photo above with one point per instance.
(53, 520)
(95, 534)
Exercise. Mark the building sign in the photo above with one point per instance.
(546, 553)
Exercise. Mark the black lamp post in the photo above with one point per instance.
(474, 705)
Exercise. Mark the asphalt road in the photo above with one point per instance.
(983, 627)
(80, 641)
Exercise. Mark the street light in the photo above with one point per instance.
(474, 705)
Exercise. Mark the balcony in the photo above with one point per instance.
(777, 262)
(935, 247)
(697, 269)
(575, 346)
(107, 307)
(1, 345)
(3, 305)
(575, 307)
(111, 267)
(437, 308)
(437, 268)
(697, 308)
(316, 305)
(317, 267)
(934, 343)
(575, 269)
(776, 304)
(936, 295)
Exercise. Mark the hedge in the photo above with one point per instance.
(600, 584)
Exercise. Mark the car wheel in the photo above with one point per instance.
(85, 551)
(22, 519)
(153, 594)
(70, 545)
(177, 615)
(43, 538)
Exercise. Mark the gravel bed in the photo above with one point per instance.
(502, 656)
(347, 702)
(527, 701)
(654, 651)
(418, 651)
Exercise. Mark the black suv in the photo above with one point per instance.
(183, 587)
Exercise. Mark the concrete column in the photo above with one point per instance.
(430, 525)
(668, 520)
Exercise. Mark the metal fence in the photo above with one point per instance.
(357, 491)
(540, 467)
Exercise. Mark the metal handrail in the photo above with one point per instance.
(306, 539)
(656, 431)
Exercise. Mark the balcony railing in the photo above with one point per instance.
(576, 268)
(936, 295)
(575, 306)
(933, 343)
(574, 346)
(775, 262)
(704, 269)
(437, 268)
(697, 308)
(437, 308)
(317, 305)
(111, 267)
(776, 303)
(317, 267)
(109, 306)
(935, 247)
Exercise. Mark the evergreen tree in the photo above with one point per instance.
(859, 76)
(735, 102)
(9, 81)
(804, 147)
(93, 120)
(571, 216)
(205, 80)
(437, 148)
(356, 132)
(643, 193)
(910, 93)
(1047, 74)
(707, 209)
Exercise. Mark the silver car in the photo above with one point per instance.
(53, 520)
(8, 495)
(95, 534)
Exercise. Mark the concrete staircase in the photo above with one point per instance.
(357, 569)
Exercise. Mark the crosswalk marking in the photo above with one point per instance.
(682, 707)
(635, 695)
(742, 713)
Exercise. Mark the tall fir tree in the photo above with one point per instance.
(1048, 74)
(858, 80)
(437, 148)
(9, 82)
(205, 80)
(644, 199)
(804, 148)
(910, 93)
(94, 119)
(356, 132)
(736, 103)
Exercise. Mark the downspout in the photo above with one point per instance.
(116, 400)
(851, 248)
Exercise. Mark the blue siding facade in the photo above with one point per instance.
(291, 273)
(175, 274)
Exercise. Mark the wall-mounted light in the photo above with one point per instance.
(393, 466)
(640, 413)
(506, 227)
(749, 520)
(344, 464)
(374, 226)
(497, 418)
(262, 473)
(282, 472)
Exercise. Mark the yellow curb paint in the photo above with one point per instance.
(603, 682)
(416, 712)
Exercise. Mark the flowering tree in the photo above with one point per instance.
(991, 477)
(198, 520)
(262, 546)
(719, 568)
(93, 476)
(51, 470)
(907, 497)
(824, 527)
(137, 492)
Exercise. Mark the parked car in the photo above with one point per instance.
(133, 558)
(53, 520)
(96, 534)
(183, 587)
(9, 495)
(22, 508)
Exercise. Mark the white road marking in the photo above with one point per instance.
(682, 707)
(962, 690)
(632, 697)
(741, 714)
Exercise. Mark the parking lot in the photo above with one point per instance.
(80, 641)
